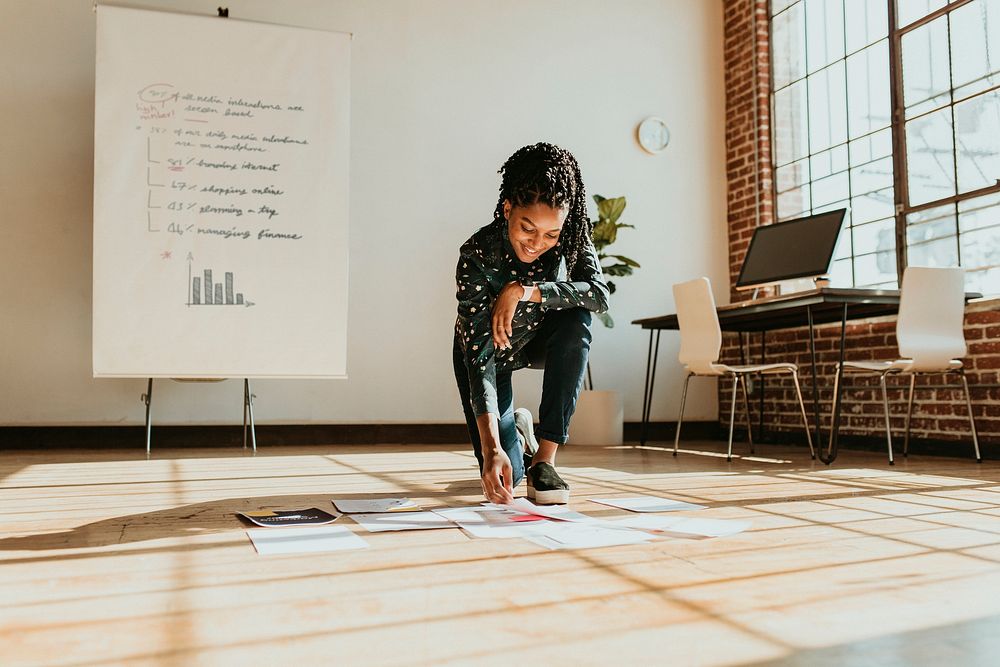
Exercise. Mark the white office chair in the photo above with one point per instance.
(701, 341)
(930, 337)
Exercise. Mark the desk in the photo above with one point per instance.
(819, 306)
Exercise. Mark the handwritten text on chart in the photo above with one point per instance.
(197, 185)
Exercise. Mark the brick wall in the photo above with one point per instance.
(748, 112)
(939, 412)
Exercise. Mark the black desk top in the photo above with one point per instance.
(789, 310)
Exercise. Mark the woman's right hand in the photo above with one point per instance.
(503, 314)
(497, 477)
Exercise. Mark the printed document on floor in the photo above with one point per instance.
(317, 539)
(376, 523)
(684, 526)
(647, 504)
(375, 505)
(310, 516)
(493, 522)
(568, 535)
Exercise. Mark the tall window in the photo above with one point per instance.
(935, 199)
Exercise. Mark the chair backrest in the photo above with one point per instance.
(931, 312)
(701, 337)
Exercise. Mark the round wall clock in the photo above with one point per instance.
(653, 135)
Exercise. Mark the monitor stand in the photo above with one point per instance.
(793, 286)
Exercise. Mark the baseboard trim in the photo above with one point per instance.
(279, 435)
(276, 435)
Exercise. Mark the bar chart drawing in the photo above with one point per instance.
(203, 291)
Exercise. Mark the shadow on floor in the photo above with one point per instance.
(970, 644)
(186, 520)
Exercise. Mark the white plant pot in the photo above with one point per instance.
(599, 419)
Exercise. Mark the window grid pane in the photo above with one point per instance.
(908, 11)
(977, 141)
(869, 20)
(824, 33)
(976, 52)
(926, 67)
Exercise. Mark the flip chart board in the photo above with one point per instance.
(220, 198)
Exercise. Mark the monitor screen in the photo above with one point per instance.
(797, 248)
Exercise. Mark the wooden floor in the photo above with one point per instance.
(107, 558)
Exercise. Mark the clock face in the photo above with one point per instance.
(653, 135)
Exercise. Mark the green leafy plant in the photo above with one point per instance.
(605, 233)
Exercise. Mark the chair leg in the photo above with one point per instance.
(746, 410)
(972, 421)
(680, 417)
(732, 420)
(909, 413)
(885, 406)
(805, 419)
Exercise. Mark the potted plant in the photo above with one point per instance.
(605, 233)
(599, 418)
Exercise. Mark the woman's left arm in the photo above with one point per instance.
(584, 289)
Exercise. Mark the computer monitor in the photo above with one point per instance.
(800, 248)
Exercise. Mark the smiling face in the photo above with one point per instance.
(533, 229)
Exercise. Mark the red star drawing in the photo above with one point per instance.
(166, 254)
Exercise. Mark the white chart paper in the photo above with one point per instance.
(375, 505)
(377, 523)
(557, 512)
(272, 541)
(677, 525)
(493, 523)
(647, 504)
(582, 536)
(221, 154)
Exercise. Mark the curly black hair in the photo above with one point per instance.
(547, 174)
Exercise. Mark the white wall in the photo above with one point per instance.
(443, 92)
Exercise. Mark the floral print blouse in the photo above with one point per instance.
(486, 263)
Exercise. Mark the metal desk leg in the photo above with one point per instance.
(645, 392)
(647, 403)
(831, 450)
(815, 379)
(746, 404)
(760, 379)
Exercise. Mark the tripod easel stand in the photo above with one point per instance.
(248, 397)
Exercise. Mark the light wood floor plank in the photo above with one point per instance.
(109, 558)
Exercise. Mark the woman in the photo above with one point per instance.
(527, 283)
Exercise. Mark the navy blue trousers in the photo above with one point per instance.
(560, 344)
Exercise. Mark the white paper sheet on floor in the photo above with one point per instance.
(647, 504)
(271, 541)
(376, 523)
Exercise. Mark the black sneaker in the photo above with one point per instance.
(526, 431)
(545, 486)
(526, 435)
